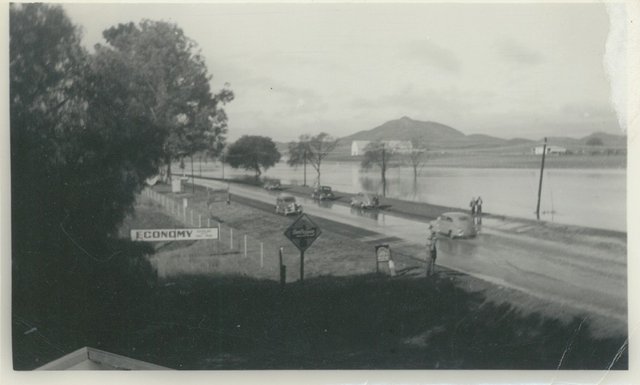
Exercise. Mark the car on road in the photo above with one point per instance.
(455, 225)
(322, 192)
(365, 200)
(286, 204)
(273, 185)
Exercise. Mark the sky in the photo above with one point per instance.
(507, 70)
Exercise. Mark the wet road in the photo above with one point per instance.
(593, 279)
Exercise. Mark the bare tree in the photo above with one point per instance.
(377, 154)
(417, 157)
(313, 150)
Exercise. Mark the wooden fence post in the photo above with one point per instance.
(261, 255)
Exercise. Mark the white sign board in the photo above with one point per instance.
(163, 235)
(383, 253)
(176, 185)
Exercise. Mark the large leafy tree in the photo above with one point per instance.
(256, 153)
(79, 153)
(312, 150)
(46, 106)
(86, 131)
(170, 85)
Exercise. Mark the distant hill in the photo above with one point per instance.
(519, 141)
(433, 134)
(608, 140)
(406, 128)
(437, 135)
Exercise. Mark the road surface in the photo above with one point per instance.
(591, 277)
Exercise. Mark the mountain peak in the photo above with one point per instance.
(406, 128)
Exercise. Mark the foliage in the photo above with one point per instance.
(377, 154)
(169, 83)
(86, 131)
(255, 153)
(312, 149)
(46, 104)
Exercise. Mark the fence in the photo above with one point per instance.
(234, 251)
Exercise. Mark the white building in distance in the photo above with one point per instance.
(551, 150)
(398, 146)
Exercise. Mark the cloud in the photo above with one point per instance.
(517, 53)
(433, 55)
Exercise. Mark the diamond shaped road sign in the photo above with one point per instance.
(303, 232)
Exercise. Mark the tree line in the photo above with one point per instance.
(259, 153)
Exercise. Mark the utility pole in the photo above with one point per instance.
(193, 180)
(544, 152)
(305, 168)
(384, 172)
(223, 166)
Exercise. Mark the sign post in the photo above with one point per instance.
(302, 233)
(163, 235)
(383, 255)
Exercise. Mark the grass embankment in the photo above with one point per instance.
(361, 321)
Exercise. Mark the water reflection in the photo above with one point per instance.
(324, 203)
(370, 184)
(571, 196)
(366, 213)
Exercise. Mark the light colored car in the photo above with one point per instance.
(273, 185)
(287, 204)
(455, 225)
(365, 200)
(322, 192)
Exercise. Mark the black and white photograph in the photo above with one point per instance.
(429, 187)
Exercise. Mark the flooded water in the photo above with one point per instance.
(585, 197)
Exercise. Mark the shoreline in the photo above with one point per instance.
(424, 211)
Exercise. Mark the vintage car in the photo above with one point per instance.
(287, 204)
(322, 192)
(365, 200)
(365, 213)
(455, 225)
(273, 185)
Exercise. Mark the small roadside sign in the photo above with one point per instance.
(302, 232)
(163, 235)
(383, 255)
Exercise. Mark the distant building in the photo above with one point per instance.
(400, 146)
(551, 150)
(358, 146)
